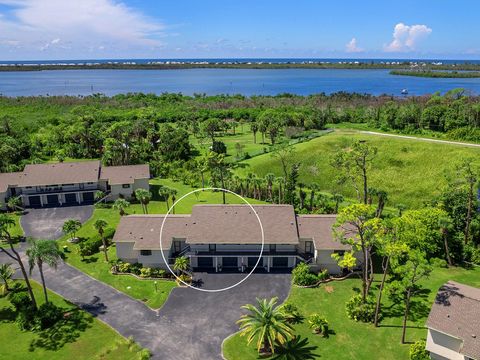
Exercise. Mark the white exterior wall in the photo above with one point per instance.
(141, 184)
(154, 260)
(323, 260)
(117, 190)
(126, 253)
(443, 346)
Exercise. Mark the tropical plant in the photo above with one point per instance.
(99, 195)
(291, 313)
(418, 351)
(303, 276)
(266, 323)
(319, 324)
(43, 252)
(100, 226)
(70, 227)
(181, 264)
(121, 205)
(14, 202)
(6, 273)
(144, 196)
(360, 309)
(6, 222)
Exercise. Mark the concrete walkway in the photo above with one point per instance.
(191, 325)
(421, 139)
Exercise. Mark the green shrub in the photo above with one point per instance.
(319, 324)
(290, 311)
(124, 267)
(48, 315)
(323, 275)
(24, 308)
(92, 245)
(146, 272)
(359, 311)
(418, 351)
(471, 254)
(302, 275)
(136, 268)
(436, 262)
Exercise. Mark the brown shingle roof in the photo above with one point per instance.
(319, 229)
(60, 173)
(238, 224)
(117, 175)
(456, 312)
(144, 230)
(9, 179)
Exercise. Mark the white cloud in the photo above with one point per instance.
(352, 46)
(83, 25)
(407, 37)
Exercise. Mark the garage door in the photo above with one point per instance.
(88, 197)
(52, 200)
(280, 262)
(34, 201)
(252, 261)
(70, 199)
(230, 262)
(205, 262)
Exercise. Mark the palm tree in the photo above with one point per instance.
(445, 225)
(5, 223)
(6, 273)
(313, 188)
(71, 227)
(100, 225)
(40, 252)
(270, 178)
(14, 202)
(120, 205)
(144, 196)
(181, 264)
(338, 198)
(267, 323)
(280, 181)
(99, 195)
(173, 193)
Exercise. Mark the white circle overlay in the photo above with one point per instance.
(259, 222)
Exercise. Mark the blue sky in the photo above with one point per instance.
(87, 29)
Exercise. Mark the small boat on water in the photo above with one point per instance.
(404, 91)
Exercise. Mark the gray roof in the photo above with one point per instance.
(319, 229)
(456, 312)
(127, 174)
(238, 224)
(144, 230)
(73, 173)
(228, 224)
(60, 173)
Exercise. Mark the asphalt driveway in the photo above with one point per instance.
(46, 223)
(191, 325)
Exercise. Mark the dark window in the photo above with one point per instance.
(126, 186)
(145, 252)
(67, 184)
(339, 252)
(29, 187)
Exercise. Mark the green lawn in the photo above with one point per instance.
(96, 266)
(86, 339)
(352, 340)
(411, 171)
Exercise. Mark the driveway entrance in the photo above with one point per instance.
(46, 223)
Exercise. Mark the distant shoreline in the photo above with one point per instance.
(404, 67)
(438, 74)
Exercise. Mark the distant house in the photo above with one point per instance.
(69, 183)
(228, 238)
(454, 323)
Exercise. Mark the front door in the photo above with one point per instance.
(308, 247)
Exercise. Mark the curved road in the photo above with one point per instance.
(191, 325)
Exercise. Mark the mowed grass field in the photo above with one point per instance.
(356, 340)
(411, 171)
(82, 340)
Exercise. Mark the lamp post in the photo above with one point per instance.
(155, 283)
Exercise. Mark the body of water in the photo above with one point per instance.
(223, 81)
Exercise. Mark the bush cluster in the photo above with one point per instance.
(92, 245)
(361, 311)
(303, 276)
(418, 351)
(145, 272)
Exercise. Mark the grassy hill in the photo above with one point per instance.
(411, 171)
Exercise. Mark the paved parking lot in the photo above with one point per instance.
(46, 223)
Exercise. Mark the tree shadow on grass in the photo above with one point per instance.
(67, 330)
(296, 349)
(7, 314)
(90, 260)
